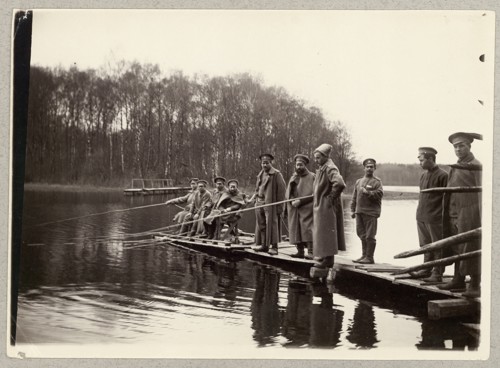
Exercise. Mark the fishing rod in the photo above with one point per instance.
(97, 214)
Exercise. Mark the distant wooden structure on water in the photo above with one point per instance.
(153, 186)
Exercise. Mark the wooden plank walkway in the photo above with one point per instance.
(343, 267)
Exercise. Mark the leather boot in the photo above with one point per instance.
(300, 251)
(474, 289)
(457, 282)
(325, 262)
(274, 250)
(370, 250)
(309, 251)
(363, 245)
(435, 276)
(262, 248)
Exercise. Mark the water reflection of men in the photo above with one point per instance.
(362, 332)
(436, 333)
(297, 322)
(300, 211)
(326, 321)
(430, 211)
(265, 308)
(462, 212)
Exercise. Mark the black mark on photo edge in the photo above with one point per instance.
(23, 21)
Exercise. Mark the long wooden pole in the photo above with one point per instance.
(452, 240)
(467, 167)
(452, 190)
(439, 262)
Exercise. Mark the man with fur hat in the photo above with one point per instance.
(366, 206)
(300, 211)
(430, 212)
(328, 223)
(462, 212)
(270, 188)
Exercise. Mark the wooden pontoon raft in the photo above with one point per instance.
(441, 304)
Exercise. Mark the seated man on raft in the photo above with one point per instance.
(225, 211)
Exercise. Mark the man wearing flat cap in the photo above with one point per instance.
(300, 211)
(430, 211)
(201, 202)
(366, 206)
(270, 188)
(328, 223)
(462, 212)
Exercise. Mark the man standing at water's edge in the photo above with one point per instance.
(366, 206)
(429, 211)
(328, 218)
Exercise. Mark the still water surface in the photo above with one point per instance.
(75, 290)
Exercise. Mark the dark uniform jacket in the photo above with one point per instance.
(430, 205)
(371, 203)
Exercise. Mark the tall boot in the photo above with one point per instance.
(363, 245)
(300, 251)
(370, 250)
(309, 251)
(325, 262)
(273, 250)
(474, 289)
(457, 282)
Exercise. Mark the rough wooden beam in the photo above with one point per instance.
(438, 309)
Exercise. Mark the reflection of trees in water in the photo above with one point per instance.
(362, 331)
(435, 335)
(265, 308)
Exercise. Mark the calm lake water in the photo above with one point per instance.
(79, 291)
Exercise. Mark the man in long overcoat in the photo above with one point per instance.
(462, 212)
(270, 188)
(201, 203)
(187, 200)
(328, 228)
(300, 211)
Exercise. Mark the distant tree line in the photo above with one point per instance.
(401, 174)
(105, 127)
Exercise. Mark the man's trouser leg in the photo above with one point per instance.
(370, 226)
(458, 281)
(260, 217)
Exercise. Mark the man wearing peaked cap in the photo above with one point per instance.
(270, 188)
(462, 212)
(328, 223)
(300, 211)
(219, 190)
(366, 206)
(429, 211)
(201, 202)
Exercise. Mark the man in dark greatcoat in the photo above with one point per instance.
(300, 211)
(462, 212)
(430, 212)
(328, 227)
(270, 188)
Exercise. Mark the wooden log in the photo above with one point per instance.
(452, 190)
(438, 309)
(440, 262)
(452, 240)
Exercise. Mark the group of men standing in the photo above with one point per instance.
(312, 202)
(441, 215)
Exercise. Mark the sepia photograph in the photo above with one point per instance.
(251, 184)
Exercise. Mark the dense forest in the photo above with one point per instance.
(104, 127)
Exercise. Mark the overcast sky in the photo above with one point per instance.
(398, 80)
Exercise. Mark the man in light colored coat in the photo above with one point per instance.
(328, 227)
